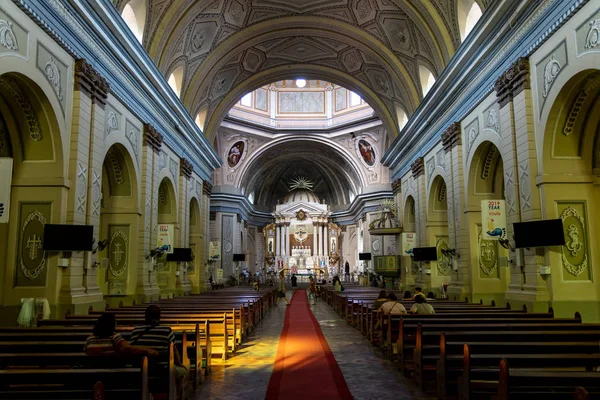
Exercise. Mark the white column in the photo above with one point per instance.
(314, 249)
(287, 240)
(326, 240)
(320, 241)
(278, 241)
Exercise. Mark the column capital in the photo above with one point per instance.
(185, 168)
(451, 136)
(206, 188)
(88, 80)
(397, 186)
(513, 81)
(152, 138)
(418, 167)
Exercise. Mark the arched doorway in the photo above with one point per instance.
(30, 142)
(437, 228)
(196, 273)
(119, 220)
(485, 182)
(570, 191)
(167, 215)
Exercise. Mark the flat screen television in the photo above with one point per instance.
(544, 233)
(239, 257)
(364, 256)
(424, 254)
(68, 237)
(180, 254)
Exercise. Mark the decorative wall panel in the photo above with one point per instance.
(32, 263)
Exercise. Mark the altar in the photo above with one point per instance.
(302, 240)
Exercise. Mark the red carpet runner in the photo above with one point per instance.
(305, 367)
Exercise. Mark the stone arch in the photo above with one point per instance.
(118, 222)
(196, 244)
(410, 217)
(569, 188)
(217, 112)
(31, 131)
(167, 215)
(486, 174)
(437, 207)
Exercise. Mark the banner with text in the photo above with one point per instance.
(493, 219)
(166, 236)
(6, 166)
(409, 241)
(214, 250)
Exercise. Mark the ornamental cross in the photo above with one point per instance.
(34, 243)
(117, 253)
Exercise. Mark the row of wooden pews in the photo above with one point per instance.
(47, 362)
(473, 351)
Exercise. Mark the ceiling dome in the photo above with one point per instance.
(301, 195)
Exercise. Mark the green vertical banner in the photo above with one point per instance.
(118, 257)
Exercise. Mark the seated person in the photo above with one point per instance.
(158, 337)
(407, 295)
(104, 340)
(421, 307)
(417, 292)
(391, 306)
(255, 286)
(382, 298)
(431, 296)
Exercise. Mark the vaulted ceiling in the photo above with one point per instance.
(229, 47)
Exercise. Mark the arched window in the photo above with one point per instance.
(246, 101)
(175, 80)
(427, 79)
(469, 13)
(134, 14)
(201, 118)
(402, 117)
(251, 198)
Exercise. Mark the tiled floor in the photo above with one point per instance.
(246, 374)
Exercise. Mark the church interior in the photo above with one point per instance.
(343, 199)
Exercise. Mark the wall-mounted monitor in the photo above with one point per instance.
(543, 233)
(180, 254)
(68, 237)
(239, 257)
(424, 254)
(364, 256)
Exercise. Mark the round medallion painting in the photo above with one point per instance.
(367, 152)
(235, 154)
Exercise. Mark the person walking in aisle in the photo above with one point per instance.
(312, 290)
(281, 294)
(294, 282)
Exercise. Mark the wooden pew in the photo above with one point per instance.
(479, 379)
(124, 383)
(517, 384)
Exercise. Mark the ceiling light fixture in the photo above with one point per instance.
(300, 83)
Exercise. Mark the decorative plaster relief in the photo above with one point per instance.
(587, 35)
(443, 262)
(524, 185)
(472, 134)
(551, 71)
(199, 189)
(173, 169)
(81, 186)
(593, 37)
(116, 167)
(488, 255)
(32, 260)
(574, 253)
(112, 122)
(147, 212)
(488, 162)
(430, 167)
(492, 119)
(7, 35)
(9, 84)
(441, 159)
(590, 84)
(96, 193)
(509, 192)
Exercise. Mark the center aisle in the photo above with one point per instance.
(305, 366)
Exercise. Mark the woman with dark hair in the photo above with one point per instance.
(421, 307)
(382, 298)
(407, 295)
(105, 341)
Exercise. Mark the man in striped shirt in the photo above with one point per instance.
(158, 337)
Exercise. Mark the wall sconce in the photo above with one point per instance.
(506, 244)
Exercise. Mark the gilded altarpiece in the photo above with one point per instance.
(487, 254)
(118, 257)
(575, 257)
(32, 262)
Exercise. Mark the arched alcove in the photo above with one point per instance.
(118, 222)
(437, 228)
(426, 78)
(410, 224)
(196, 273)
(167, 215)
(175, 80)
(134, 15)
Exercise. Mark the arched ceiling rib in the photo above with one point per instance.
(270, 173)
(222, 43)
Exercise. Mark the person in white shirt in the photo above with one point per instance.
(421, 307)
(392, 306)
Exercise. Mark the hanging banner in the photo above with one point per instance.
(6, 166)
(493, 219)
(409, 241)
(214, 250)
(165, 237)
